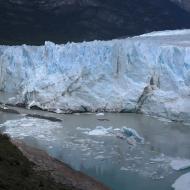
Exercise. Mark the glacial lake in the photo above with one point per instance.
(87, 143)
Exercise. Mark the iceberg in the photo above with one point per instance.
(129, 132)
(99, 131)
(100, 114)
(180, 164)
(182, 183)
(149, 74)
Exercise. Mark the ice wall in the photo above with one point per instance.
(148, 74)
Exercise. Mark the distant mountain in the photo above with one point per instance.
(34, 21)
(185, 4)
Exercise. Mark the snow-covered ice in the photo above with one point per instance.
(182, 183)
(149, 73)
(180, 164)
(168, 33)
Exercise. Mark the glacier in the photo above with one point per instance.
(147, 74)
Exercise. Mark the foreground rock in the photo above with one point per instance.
(41, 172)
(148, 74)
(16, 172)
(59, 171)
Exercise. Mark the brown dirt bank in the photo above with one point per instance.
(26, 168)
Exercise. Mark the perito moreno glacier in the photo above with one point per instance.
(147, 74)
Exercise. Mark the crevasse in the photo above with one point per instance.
(148, 74)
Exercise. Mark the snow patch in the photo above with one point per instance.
(167, 33)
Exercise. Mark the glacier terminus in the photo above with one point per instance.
(147, 74)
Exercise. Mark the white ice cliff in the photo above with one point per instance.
(148, 74)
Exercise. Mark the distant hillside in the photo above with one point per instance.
(26, 21)
(185, 4)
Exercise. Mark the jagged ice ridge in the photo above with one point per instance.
(148, 74)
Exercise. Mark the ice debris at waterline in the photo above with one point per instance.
(148, 74)
(39, 128)
(182, 183)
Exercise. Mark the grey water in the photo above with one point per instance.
(107, 158)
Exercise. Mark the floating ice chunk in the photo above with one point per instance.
(99, 157)
(182, 183)
(161, 158)
(41, 136)
(124, 168)
(100, 114)
(76, 114)
(156, 176)
(132, 133)
(180, 164)
(58, 111)
(83, 129)
(100, 131)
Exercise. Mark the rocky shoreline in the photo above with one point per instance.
(24, 167)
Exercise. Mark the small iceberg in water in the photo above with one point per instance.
(100, 131)
(180, 164)
(182, 183)
(128, 134)
(100, 114)
(131, 133)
